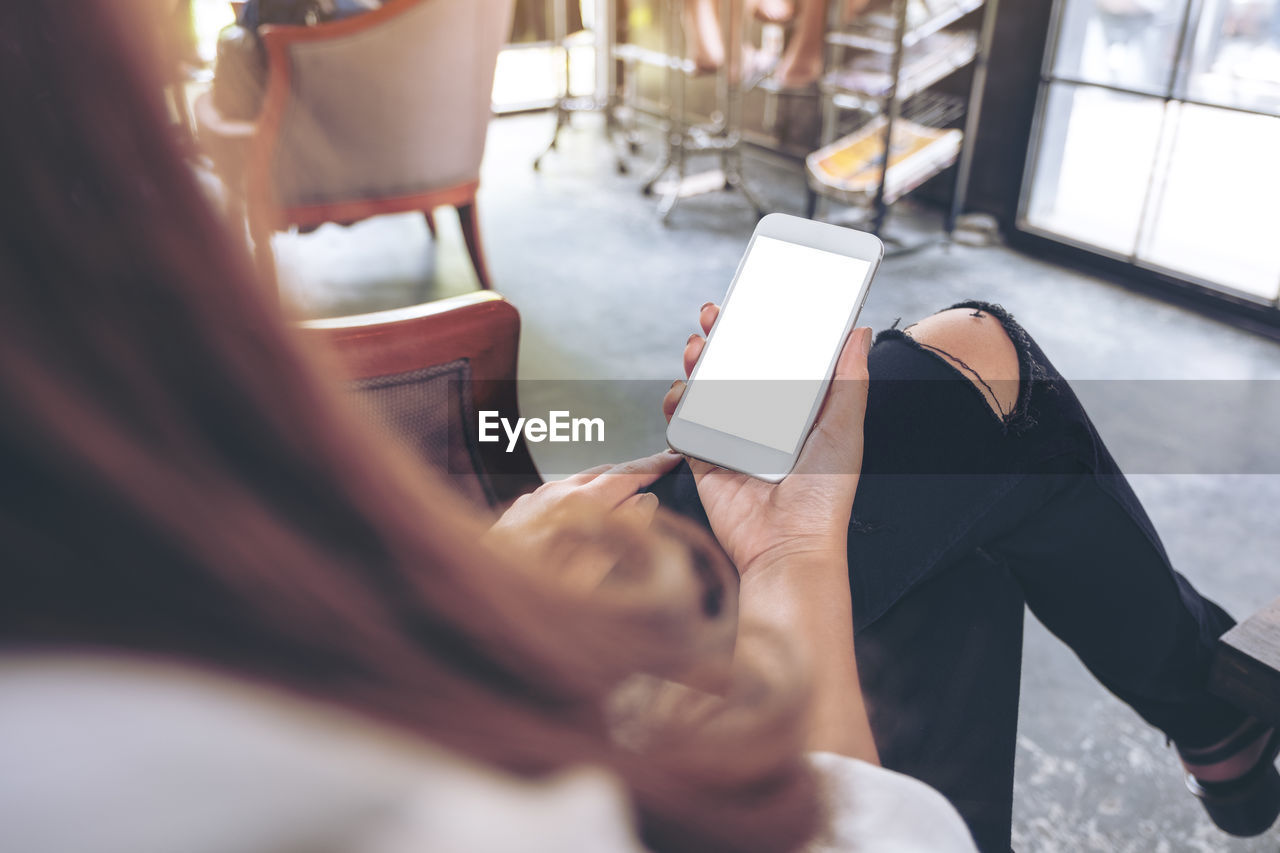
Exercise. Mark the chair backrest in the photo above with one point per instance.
(390, 104)
(425, 372)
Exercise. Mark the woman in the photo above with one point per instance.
(232, 617)
(985, 489)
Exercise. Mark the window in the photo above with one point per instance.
(1158, 138)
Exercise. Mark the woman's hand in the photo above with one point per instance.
(537, 523)
(790, 540)
(759, 523)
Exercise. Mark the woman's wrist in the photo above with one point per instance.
(808, 550)
(802, 593)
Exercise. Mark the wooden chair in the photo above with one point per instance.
(385, 112)
(426, 372)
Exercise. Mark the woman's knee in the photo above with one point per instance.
(976, 343)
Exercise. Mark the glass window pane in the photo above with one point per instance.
(1236, 55)
(535, 75)
(1215, 213)
(1128, 43)
(526, 75)
(210, 16)
(1093, 165)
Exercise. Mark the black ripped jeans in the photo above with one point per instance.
(961, 519)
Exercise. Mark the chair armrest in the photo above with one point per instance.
(482, 328)
(219, 127)
(227, 141)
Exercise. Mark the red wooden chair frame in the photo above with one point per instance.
(482, 328)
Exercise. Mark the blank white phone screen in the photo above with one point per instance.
(774, 342)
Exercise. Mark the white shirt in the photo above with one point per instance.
(119, 756)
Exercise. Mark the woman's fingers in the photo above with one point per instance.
(672, 398)
(587, 566)
(692, 352)
(625, 479)
(835, 446)
(853, 358)
(639, 509)
(702, 469)
(693, 347)
(584, 477)
(707, 317)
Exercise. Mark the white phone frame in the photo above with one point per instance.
(738, 454)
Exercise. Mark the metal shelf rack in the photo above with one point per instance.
(884, 66)
(683, 138)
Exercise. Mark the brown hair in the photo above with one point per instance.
(177, 479)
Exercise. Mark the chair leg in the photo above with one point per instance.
(431, 222)
(263, 255)
(471, 233)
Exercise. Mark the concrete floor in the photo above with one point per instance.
(607, 293)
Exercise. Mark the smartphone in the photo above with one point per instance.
(756, 390)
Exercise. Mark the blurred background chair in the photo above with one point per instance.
(426, 371)
(385, 112)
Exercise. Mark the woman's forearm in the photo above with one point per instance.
(806, 597)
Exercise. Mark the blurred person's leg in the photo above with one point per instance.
(975, 494)
(772, 11)
(704, 43)
(801, 62)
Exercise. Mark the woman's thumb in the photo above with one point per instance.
(835, 445)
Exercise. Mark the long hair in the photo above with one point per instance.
(178, 479)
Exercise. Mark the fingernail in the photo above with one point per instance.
(692, 338)
(646, 506)
(865, 341)
(674, 383)
(705, 306)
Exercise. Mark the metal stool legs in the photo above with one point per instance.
(567, 104)
(722, 136)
